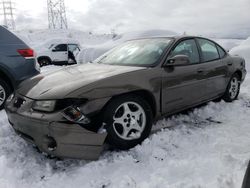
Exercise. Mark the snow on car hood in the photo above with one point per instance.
(58, 84)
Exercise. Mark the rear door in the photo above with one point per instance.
(183, 86)
(60, 54)
(215, 65)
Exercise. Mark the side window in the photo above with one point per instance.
(209, 50)
(221, 51)
(61, 48)
(73, 47)
(188, 48)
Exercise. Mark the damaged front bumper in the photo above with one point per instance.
(55, 138)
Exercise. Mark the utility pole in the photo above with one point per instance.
(7, 11)
(57, 14)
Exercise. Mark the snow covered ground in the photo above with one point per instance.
(208, 147)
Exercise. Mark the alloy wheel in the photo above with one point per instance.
(2, 95)
(129, 121)
(234, 87)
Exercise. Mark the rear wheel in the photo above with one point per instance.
(128, 121)
(233, 89)
(5, 91)
(43, 62)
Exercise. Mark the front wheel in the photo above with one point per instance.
(4, 93)
(233, 89)
(128, 121)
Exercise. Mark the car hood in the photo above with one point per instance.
(59, 84)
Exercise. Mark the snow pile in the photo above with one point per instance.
(144, 34)
(208, 147)
(244, 51)
(94, 51)
(44, 46)
(228, 44)
(94, 45)
(42, 38)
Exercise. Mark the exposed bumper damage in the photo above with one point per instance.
(56, 138)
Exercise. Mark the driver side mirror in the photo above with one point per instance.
(178, 60)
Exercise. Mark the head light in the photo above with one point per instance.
(45, 106)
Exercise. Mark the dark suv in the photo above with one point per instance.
(17, 63)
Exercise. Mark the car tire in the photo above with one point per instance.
(44, 62)
(5, 91)
(233, 89)
(128, 121)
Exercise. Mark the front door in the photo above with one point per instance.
(183, 86)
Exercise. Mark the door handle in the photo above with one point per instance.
(229, 63)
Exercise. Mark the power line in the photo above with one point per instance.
(7, 11)
(57, 14)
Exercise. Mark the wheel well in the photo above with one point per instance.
(146, 95)
(6, 79)
(44, 57)
(239, 73)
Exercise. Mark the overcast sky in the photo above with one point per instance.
(204, 17)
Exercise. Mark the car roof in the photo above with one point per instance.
(177, 37)
(180, 37)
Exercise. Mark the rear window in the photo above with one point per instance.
(61, 48)
(8, 37)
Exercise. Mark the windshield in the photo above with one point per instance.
(142, 52)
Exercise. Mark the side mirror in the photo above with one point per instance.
(178, 60)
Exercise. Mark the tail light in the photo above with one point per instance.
(26, 53)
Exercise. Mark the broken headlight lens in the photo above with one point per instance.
(74, 114)
(44, 106)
